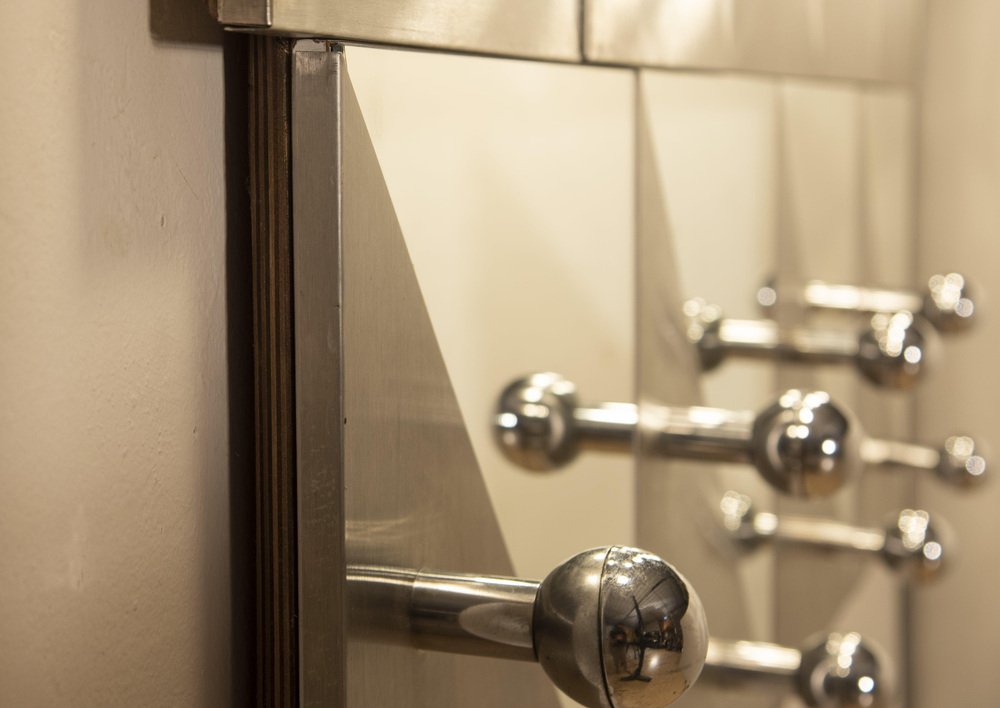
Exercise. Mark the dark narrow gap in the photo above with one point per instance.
(240, 366)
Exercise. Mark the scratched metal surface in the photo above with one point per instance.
(412, 493)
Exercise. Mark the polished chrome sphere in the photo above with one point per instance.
(895, 351)
(651, 639)
(915, 546)
(948, 304)
(806, 445)
(534, 424)
(959, 464)
(844, 671)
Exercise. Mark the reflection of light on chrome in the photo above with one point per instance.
(976, 466)
(767, 296)
(912, 354)
(708, 416)
(866, 684)
(765, 524)
(932, 551)
(806, 416)
(797, 432)
(815, 399)
(735, 507)
(535, 410)
(947, 289)
(698, 308)
(563, 387)
(533, 394)
(964, 307)
(913, 525)
(845, 649)
(960, 445)
(790, 398)
(891, 331)
(507, 420)
(734, 503)
(622, 579)
(829, 447)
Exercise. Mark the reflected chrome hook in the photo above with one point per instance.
(833, 671)
(612, 627)
(893, 352)
(957, 462)
(910, 542)
(947, 304)
(803, 444)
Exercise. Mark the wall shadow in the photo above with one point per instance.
(184, 21)
(239, 348)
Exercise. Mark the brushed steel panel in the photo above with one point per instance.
(543, 29)
(854, 39)
(316, 77)
(414, 497)
(494, 167)
(386, 473)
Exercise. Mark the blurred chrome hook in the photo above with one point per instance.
(910, 542)
(947, 304)
(803, 444)
(894, 352)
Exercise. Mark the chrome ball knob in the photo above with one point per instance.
(534, 424)
(948, 304)
(652, 636)
(960, 464)
(895, 351)
(806, 445)
(915, 546)
(843, 671)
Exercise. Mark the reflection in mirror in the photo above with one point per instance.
(909, 542)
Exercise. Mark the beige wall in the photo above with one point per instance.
(114, 446)
(956, 625)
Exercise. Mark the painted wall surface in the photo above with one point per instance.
(114, 442)
(956, 625)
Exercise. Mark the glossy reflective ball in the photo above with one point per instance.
(960, 464)
(619, 628)
(895, 351)
(534, 424)
(948, 304)
(806, 445)
(915, 545)
(844, 671)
